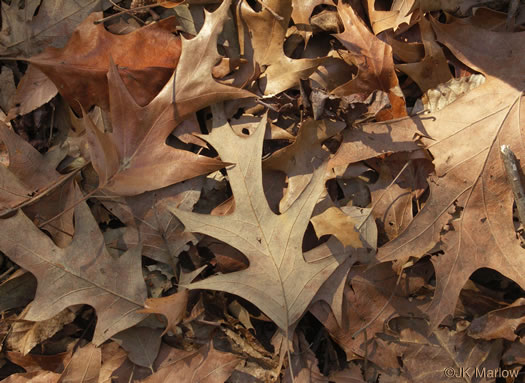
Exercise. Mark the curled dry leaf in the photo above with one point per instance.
(82, 273)
(374, 61)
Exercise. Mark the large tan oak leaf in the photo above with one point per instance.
(82, 273)
(469, 210)
(135, 158)
(279, 280)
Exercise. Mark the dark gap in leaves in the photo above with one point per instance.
(496, 281)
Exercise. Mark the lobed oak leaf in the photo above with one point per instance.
(433, 69)
(268, 30)
(400, 13)
(146, 59)
(373, 59)
(135, 158)
(301, 12)
(293, 160)
(150, 223)
(82, 273)
(469, 211)
(279, 280)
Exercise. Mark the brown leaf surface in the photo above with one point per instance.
(173, 307)
(470, 180)
(373, 59)
(141, 343)
(268, 32)
(84, 366)
(20, 182)
(135, 158)
(289, 282)
(52, 24)
(146, 59)
(295, 160)
(82, 273)
(150, 223)
(207, 365)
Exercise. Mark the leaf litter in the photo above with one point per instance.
(256, 191)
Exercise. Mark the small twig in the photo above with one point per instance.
(513, 176)
(132, 10)
(45, 192)
(274, 14)
(86, 197)
(124, 9)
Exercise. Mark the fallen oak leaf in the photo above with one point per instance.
(294, 159)
(172, 307)
(469, 211)
(373, 59)
(146, 59)
(135, 158)
(279, 280)
(82, 273)
(268, 30)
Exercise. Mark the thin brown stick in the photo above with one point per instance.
(513, 176)
(44, 193)
(87, 196)
(126, 11)
(274, 14)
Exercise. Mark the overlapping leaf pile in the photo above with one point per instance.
(254, 191)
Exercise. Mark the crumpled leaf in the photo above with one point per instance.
(470, 205)
(82, 273)
(135, 158)
(267, 37)
(373, 59)
(278, 281)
